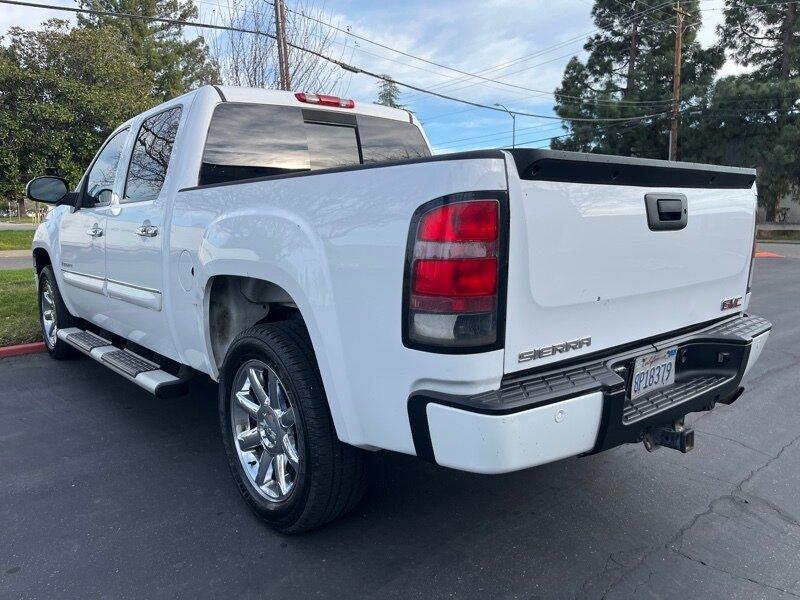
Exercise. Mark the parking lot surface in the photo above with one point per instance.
(108, 492)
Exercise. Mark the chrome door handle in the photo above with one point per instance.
(94, 231)
(147, 231)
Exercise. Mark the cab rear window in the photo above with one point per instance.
(256, 140)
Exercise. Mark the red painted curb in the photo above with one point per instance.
(768, 255)
(22, 349)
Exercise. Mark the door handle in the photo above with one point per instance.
(94, 231)
(147, 231)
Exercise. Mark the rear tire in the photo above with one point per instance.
(279, 437)
(53, 315)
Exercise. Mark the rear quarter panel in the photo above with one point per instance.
(336, 243)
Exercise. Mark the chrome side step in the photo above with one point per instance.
(144, 373)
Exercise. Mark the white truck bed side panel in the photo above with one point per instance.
(336, 243)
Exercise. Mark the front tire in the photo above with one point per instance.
(278, 434)
(53, 315)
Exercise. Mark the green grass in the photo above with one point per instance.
(778, 235)
(19, 314)
(16, 240)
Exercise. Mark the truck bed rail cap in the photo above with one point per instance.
(601, 169)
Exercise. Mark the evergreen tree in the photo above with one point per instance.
(629, 73)
(751, 118)
(389, 93)
(178, 65)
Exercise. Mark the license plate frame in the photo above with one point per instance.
(652, 371)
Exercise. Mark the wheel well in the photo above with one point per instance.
(236, 303)
(41, 259)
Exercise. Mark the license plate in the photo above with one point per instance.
(653, 371)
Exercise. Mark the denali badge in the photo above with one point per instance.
(731, 303)
(556, 349)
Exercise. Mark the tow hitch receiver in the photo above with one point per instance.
(677, 437)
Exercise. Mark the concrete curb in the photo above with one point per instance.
(22, 349)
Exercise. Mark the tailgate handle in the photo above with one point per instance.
(666, 212)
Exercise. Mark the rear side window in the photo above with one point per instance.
(246, 141)
(151, 154)
(256, 140)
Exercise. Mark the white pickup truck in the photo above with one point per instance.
(488, 311)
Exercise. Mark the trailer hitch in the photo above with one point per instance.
(678, 437)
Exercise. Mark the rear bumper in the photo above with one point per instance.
(582, 408)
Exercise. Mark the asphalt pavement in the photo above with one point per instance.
(108, 492)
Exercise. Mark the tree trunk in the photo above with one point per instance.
(788, 39)
(20, 207)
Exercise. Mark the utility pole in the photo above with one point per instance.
(676, 82)
(285, 78)
(633, 50)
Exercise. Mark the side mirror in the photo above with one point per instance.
(47, 189)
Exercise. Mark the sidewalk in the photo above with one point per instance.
(6, 226)
(15, 259)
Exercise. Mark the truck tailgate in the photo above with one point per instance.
(588, 271)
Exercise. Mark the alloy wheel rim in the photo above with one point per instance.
(49, 327)
(264, 431)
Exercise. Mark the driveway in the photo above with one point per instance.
(107, 492)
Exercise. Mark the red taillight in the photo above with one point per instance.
(462, 222)
(454, 270)
(459, 277)
(325, 100)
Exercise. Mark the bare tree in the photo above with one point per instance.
(251, 60)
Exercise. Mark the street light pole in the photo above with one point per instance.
(513, 124)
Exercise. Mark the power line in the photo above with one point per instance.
(547, 50)
(339, 63)
(454, 69)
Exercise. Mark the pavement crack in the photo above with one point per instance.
(732, 575)
(755, 471)
(735, 441)
(786, 517)
(677, 539)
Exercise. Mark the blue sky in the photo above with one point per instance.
(470, 35)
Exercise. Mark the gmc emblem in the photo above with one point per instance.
(555, 349)
(731, 303)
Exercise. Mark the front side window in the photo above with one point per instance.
(246, 141)
(151, 154)
(100, 180)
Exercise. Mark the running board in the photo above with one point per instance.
(144, 373)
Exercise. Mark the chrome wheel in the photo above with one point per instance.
(264, 431)
(48, 309)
